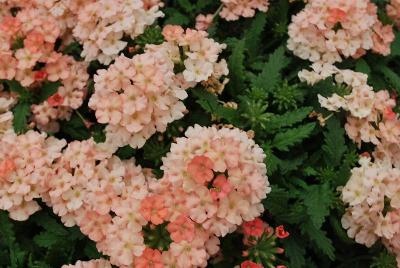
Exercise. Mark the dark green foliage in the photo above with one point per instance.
(306, 162)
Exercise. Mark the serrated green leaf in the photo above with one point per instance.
(253, 35)
(289, 119)
(209, 102)
(334, 142)
(174, 17)
(125, 152)
(21, 113)
(318, 200)
(186, 5)
(288, 165)
(318, 236)
(48, 89)
(15, 86)
(271, 73)
(390, 75)
(276, 201)
(236, 67)
(395, 46)
(271, 160)
(363, 67)
(47, 239)
(284, 140)
(49, 224)
(6, 229)
(295, 251)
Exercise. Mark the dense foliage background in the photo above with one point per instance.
(307, 159)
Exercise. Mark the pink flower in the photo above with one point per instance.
(336, 15)
(222, 187)
(389, 114)
(153, 209)
(151, 258)
(40, 75)
(203, 22)
(55, 100)
(280, 232)
(6, 166)
(250, 264)
(34, 41)
(10, 25)
(254, 228)
(200, 169)
(181, 229)
(172, 33)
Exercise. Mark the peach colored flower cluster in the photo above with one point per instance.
(373, 198)
(371, 117)
(372, 193)
(140, 96)
(214, 180)
(27, 54)
(393, 11)
(100, 263)
(234, 9)
(26, 168)
(329, 30)
(222, 174)
(102, 25)
(7, 101)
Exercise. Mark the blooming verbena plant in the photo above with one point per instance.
(232, 133)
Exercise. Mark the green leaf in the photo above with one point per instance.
(47, 239)
(236, 67)
(295, 251)
(152, 35)
(210, 103)
(395, 46)
(50, 224)
(271, 160)
(15, 86)
(154, 150)
(289, 119)
(391, 76)
(48, 89)
(318, 236)
(271, 73)
(186, 5)
(284, 140)
(277, 201)
(253, 35)
(175, 17)
(125, 152)
(334, 142)
(21, 113)
(75, 128)
(318, 199)
(6, 229)
(363, 67)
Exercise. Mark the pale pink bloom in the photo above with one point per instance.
(100, 263)
(200, 168)
(34, 41)
(151, 258)
(203, 22)
(94, 225)
(181, 229)
(173, 33)
(153, 209)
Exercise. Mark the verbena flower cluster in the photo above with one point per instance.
(234, 9)
(330, 30)
(29, 54)
(372, 192)
(209, 188)
(140, 96)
